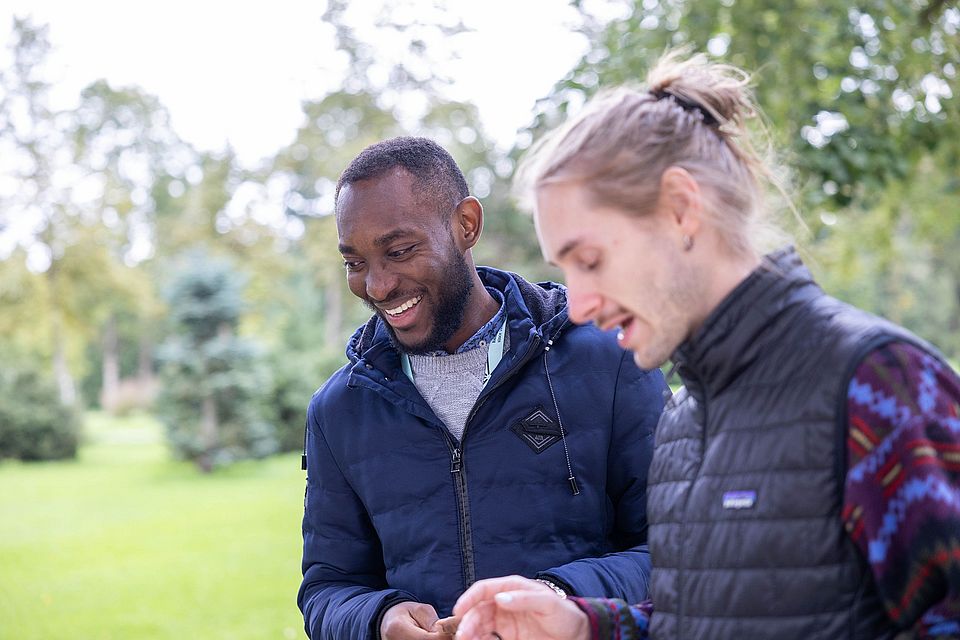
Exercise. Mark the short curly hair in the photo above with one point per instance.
(439, 180)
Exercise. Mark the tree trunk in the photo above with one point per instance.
(61, 368)
(111, 366)
(208, 433)
(68, 392)
(146, 376)
(145, 359)
(209, 420)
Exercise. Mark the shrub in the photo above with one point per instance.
(296, 375)
(34, 425)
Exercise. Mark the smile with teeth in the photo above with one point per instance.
(412, 302)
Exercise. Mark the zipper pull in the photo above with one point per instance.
(455, 463)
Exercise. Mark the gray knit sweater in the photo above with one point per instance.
(451, 384)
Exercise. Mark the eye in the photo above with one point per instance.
(588, 261)
(399, 253)
(352, 265)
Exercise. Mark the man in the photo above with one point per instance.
(475, 431)
(806, 480)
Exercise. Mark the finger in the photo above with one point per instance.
(447, 625)
(409, 630)
(424, 615)
(485, 590)
(478, 622)
(534, 602)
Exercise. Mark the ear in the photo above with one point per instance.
(681, 200)
(467, 223)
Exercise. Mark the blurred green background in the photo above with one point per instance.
(166, 313)
(126, 543)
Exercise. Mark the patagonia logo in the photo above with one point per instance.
(739, 499)
(538, 430)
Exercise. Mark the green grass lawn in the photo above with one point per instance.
(125, 543)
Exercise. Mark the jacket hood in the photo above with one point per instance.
(541, 307)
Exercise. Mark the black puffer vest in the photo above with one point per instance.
(746, 484)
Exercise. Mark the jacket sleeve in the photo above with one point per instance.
(615, 619)
(638, 402)
(901, 506)
(344, 591)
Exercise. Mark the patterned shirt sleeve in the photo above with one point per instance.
(902, 496)
(612, 619)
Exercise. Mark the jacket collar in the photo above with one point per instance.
(738, 331)
(533, 310)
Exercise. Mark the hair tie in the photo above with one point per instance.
(687, 105)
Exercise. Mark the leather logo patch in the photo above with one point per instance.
(538, 430)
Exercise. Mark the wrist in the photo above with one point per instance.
(590, 621)
(385, 606)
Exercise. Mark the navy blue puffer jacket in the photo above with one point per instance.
(396, 509)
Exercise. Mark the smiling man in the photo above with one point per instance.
(475, 431)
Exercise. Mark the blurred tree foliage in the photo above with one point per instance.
(213, 381)
(80, 203)
(861, 99)
(99, 201)
(857, 92)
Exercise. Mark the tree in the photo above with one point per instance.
(857, 93)
(860, 97)
(82, 214)
(31, 136)
(213, 380)
(124, 144)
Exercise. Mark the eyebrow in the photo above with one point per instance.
(381, 241)
(564, 250)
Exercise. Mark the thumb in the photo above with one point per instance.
(447, 625)
(425, 616)
(528, 601)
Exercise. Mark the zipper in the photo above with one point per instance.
(455, 462)
(468, 563)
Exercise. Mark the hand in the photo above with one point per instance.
(447, 625)
(411, 621)
(516, 608)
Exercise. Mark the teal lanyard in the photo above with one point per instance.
(494, 355)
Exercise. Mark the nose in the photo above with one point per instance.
(380, 282)
(583, 305)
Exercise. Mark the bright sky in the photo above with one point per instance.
(238, 71)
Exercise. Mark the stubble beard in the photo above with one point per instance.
(680, 295)
(449, 309)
